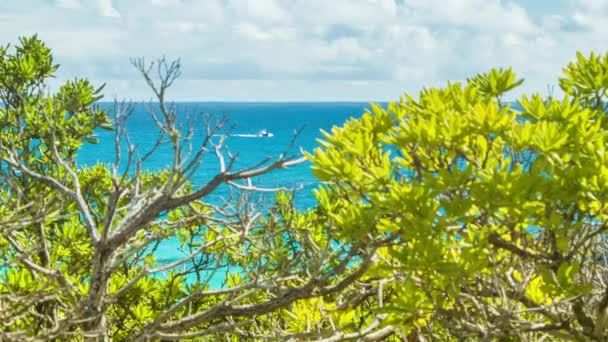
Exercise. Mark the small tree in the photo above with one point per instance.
(77, 243)
(498, 212)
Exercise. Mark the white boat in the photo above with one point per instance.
(264, 133)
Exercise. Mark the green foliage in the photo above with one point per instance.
(496, 82)
(78, 245)
(497, 213)
(587, 79)
(449, 216)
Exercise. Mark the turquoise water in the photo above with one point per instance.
(245, 121)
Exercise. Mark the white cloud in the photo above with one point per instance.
(596, 5)
(487, 15)
(266, 11)
(68, 3)
(185, 26)
(309, 49)
(107, 9)
(165, 3)
(253, 32)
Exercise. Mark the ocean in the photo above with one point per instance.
(245, 120)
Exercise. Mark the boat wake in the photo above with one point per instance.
(241, 135)
(262, 134)
(246, 135)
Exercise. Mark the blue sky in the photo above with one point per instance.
(309, 50)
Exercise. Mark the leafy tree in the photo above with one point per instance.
(498, 212)
(446, 216)
(77, 243)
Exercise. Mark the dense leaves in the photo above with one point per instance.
(80, 245)
(498, 210)
(449, 215)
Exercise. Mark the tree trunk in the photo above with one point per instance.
(98, 287)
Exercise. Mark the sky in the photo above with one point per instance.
(308, 50)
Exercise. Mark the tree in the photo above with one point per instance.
(448, 216)
(77, 243)
(498, 212)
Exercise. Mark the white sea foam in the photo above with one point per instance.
(245, 135)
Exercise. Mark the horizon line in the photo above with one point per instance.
(267, 101)
(253, 101)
